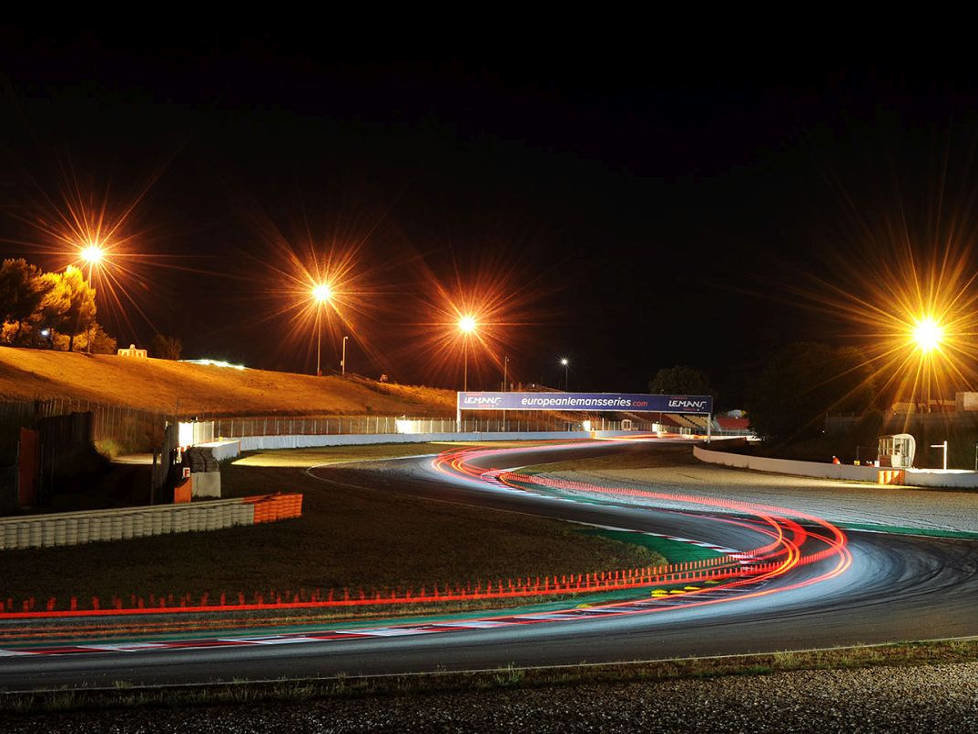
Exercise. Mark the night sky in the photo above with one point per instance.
(638, 215)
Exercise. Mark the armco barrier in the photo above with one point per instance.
(76, 528)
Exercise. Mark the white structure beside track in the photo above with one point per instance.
(953, 478)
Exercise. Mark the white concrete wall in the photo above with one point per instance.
(75, 528)
(222, 450)
(205, 484)
(914, 477)
(958, 478)
(254, 443)
(787, 466)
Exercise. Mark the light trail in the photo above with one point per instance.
(777, 518)
(789, 547)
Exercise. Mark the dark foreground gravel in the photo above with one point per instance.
(938, 698)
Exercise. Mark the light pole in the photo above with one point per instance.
(321, 293)
(941, 446)
(927, 334)
(565, 362)
(343, 360)
(92, 254)
(466, 325)
(505, 385)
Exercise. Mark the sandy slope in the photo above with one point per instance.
(157, 384)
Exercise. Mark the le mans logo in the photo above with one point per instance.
(481, 400)
(685, 403)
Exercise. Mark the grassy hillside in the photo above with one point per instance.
(165, 385)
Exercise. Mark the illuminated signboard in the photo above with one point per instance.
(578, 401)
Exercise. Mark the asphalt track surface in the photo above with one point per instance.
(894, 587)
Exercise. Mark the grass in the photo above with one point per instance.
(123, 694)
(370, 538)
(334, 455)
(328, 455)
(675, 551)
(637, 456)
(169, 386)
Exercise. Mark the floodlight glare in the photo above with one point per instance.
(322, 292)
(466, 324)
(927, 334)
(92, 254)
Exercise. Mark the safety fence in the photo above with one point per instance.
(702, 571)
(76, 528)
(140, 430)
(377, 424)
(212, 429)
(125, 425)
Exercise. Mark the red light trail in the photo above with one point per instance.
(790, 546)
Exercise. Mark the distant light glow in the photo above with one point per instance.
(214, 363)
(564, 362)
(927, 334)
(467, 324)
(322, 292)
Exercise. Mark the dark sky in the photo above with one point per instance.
(638, 213)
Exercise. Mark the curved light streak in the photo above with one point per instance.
(789, 547)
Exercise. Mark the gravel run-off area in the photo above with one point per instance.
(835, 501)
(939, 698)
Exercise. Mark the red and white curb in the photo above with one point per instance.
(640, 606)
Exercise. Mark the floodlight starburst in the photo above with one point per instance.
(322, 292)
(927, 334)
(92, 254)
(467, 324)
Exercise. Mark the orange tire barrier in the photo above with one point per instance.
(272, 507)
(891, 476)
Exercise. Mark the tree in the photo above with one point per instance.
(165, 347)
(801, 384)
(68, 306)
(22, 289)
(102, 343)
(680, 380)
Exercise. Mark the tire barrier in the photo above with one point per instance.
(76, 528)
(275, 507)
(892, 476)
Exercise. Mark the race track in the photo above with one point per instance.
(866, 588)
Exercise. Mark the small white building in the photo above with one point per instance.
(132, 352)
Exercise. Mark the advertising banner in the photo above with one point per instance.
(585, 401)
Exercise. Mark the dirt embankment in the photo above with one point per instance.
(180, 387)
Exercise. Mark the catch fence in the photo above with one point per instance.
(136, 430)
(131, 428)
(243, 427)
